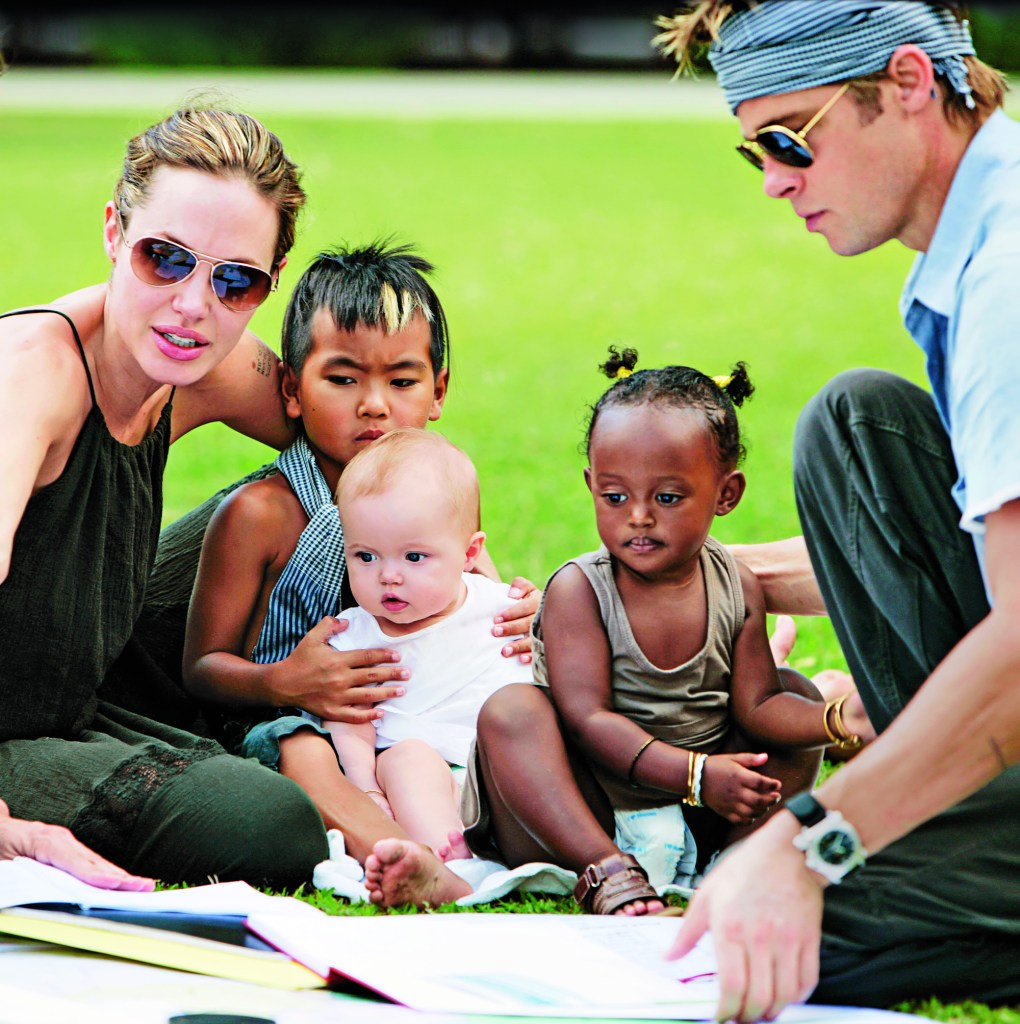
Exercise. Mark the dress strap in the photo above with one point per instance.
(77, 341)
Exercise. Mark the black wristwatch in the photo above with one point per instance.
(830, 843)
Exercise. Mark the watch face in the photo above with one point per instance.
(836, 847)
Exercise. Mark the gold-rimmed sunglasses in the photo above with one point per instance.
(784, 144)
(162, 263)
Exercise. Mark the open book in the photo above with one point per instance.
(531, 965)
(201, 929)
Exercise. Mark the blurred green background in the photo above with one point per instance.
(558, 227)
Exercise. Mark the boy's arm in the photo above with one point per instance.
(579, 662)
(760, 706)
(236, 555)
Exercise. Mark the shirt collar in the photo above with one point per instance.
(935, 273)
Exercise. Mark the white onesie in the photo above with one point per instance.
(455, 665)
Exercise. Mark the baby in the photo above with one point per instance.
(409, 504)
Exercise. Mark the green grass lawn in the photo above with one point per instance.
(552, 241)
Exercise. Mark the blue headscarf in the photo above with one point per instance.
(782, 46)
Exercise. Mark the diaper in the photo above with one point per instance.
(661, 841)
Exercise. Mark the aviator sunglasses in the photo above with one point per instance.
(162, 263)
(784, 144)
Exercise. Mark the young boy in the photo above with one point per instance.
(364, 348)
(410, 509)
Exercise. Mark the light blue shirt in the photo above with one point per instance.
(961, 304)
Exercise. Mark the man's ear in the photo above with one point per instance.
(289, 390)
(730, 493)
(439, 393)
(474, 549)
(913, 76)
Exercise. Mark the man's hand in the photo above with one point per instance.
(54, 845)
(516, 620)
(337, 685)
(764, 910)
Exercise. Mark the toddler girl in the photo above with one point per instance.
(655, 657)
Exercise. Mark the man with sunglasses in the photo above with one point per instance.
(898, 877)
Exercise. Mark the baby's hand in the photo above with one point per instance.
(731, 787)
(515, 621)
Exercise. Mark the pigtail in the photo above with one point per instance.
(738, 386)
(619, 364)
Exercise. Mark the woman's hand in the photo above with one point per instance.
(54, 845)
(515, 621)
(731, 787)
(337, 685)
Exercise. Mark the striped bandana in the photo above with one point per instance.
(782, 46)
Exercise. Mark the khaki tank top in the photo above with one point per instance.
(686, 706)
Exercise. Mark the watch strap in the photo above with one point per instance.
(806, 809)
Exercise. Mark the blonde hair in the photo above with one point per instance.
(410, 453)
(221, 142)
(687, 34)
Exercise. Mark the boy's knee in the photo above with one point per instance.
(793, 681)
(230, 818)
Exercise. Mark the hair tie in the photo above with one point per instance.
(622, 372)
(723, 382)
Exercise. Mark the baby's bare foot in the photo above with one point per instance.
(456, 848)
(399, 872)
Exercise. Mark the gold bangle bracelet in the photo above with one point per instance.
(847, 740)
(695, 766)
(833, 738)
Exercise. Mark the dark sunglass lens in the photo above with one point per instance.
(785, 149)
(751, 155)
(240, 287)
(162, 263)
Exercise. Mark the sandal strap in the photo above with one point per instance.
(612, 882)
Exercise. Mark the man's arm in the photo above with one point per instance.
(784, 571)
(763, 906)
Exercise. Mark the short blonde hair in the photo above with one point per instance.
(221, 142)
(410, 452)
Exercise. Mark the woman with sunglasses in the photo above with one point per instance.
(96, 385)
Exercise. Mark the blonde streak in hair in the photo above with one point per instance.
(389, 308)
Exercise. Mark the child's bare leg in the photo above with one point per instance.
(309, 759)
(795, 768)
(545, 805)
(421, 790)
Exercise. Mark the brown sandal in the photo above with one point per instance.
(611, 883)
